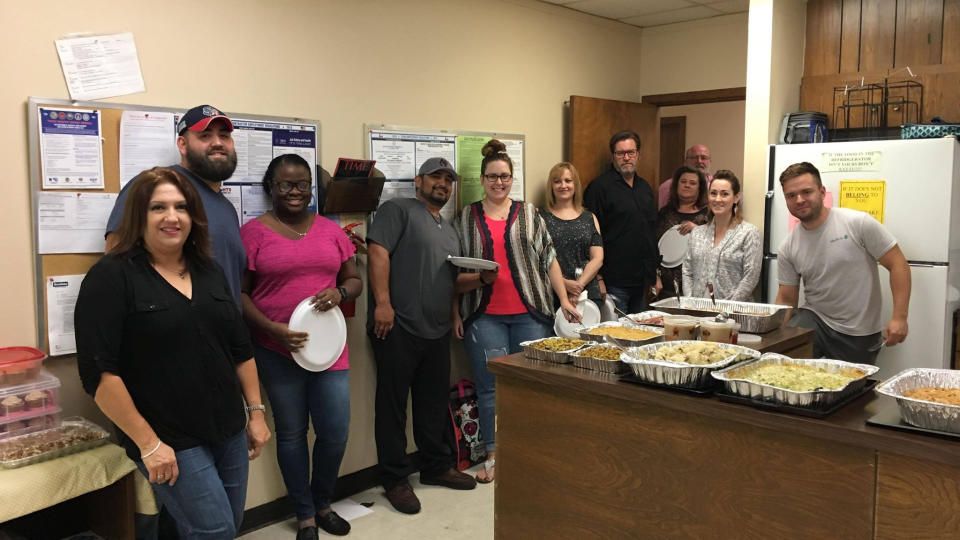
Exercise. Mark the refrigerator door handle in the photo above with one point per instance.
(769, 195)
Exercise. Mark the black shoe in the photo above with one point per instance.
(307, 533)
(402, 497)
(333, 523)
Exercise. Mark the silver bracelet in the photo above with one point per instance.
(261, 407)
(150, 453)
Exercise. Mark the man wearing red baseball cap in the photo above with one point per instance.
(207, 158)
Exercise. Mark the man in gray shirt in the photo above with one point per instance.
(835, 252)
(412, 310)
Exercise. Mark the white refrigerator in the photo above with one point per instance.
(914, 186)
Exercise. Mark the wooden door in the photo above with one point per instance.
(673, 141)
(593, 121)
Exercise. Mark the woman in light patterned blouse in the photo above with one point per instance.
(726, 251)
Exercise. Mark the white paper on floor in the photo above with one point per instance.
(349, 509)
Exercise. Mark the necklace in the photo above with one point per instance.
(500, 213)
(294, 231)
(182, 273)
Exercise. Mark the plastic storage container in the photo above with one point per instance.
(19, 365)
(720, 331)
(30, 407)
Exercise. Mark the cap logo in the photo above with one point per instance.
(210, 111)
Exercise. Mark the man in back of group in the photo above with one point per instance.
(410, 317)
(698, 157)
(835, 252)
(207, 158)
(624, 205)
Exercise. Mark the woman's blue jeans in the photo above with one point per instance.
(493, 336)
(298, 396)
(208, 498)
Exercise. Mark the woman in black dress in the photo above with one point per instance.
(575, 233)
(687, 209)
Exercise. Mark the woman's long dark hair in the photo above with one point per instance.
(134, 221)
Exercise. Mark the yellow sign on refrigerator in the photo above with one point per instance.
(865, 195)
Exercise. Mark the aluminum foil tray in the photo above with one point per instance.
(557, 357)
(681, 375)
(636, 318)
(753, 318)
(924, 414)
(622, 342)
(597, 364)
(74, 434)
(735, 384)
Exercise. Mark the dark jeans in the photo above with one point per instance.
(493, 336)
(629, 299)
(207, 500)
(298, 396)
(409, 363)
(828, 343)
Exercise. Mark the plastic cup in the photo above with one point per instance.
(719, 332)
(679, 327)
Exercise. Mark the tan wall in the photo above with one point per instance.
(483, 65)
(717, 125)
(696, 55)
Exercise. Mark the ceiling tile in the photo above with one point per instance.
(619, 9)
(674, 16)
(731, 6)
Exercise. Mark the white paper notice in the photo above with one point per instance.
(515, 151)
(147, 140)
(100, 66)
(61, 300)
(71, 222)
(396, 159)
(255, 202)
(71, 155)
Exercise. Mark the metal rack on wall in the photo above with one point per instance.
(875, 110)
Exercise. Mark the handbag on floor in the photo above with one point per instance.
(465, 416)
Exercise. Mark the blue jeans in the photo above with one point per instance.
(629, 299)
(207, 500)
(296, 397)
(493, 336)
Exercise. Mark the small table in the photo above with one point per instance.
(104, 476)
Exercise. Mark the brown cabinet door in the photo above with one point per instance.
(593, 121)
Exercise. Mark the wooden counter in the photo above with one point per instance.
(582, 455)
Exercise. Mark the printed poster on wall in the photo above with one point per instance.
(62, 294)
(71, 154)
(865, 195)
(399, 156)
(257, 142)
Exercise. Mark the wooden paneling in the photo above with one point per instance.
(951, 31)
(737, 93)
(850, 37)
(575, 465)
(877, 34)
(673, 141)
(916, 498)
(919, 32)
(593, 121)
(823, 30)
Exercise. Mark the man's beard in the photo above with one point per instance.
(211, 170)
(620, 168)
(433, 199)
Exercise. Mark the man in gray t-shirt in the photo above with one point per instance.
(835, 253)
(412, 310)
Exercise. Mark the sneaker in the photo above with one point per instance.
(402, 497)
(450, 478)
(307, 533)
(333, 523)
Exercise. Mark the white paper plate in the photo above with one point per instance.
(328, 335)
(590, 315)
(748, 338)
(673, 247)
(473, 264)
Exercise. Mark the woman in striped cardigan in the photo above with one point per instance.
(517, 303)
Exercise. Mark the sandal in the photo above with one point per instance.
(488, 471)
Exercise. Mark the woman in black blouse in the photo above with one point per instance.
(687, 209)
(164, 351)
(575, 233)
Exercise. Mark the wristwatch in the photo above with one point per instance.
(343, 293)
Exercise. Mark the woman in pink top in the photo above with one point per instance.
(292, 254)
(517, 304)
